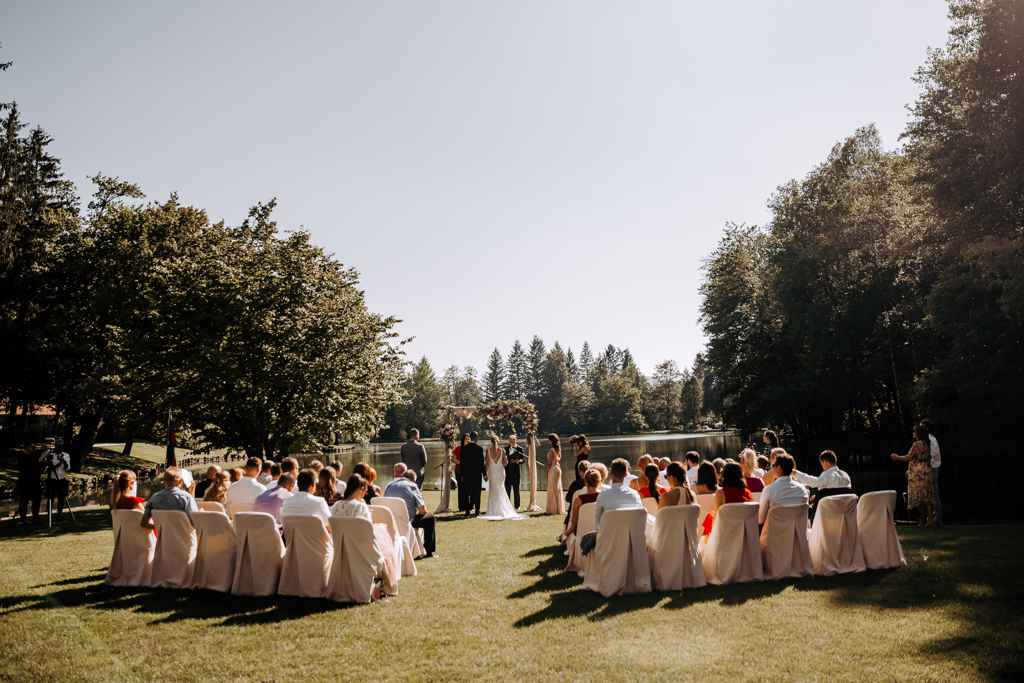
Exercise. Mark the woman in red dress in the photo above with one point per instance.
(733, 490)
(122, 496)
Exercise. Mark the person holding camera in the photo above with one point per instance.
(56, 464)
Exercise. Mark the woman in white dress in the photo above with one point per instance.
(499, 507)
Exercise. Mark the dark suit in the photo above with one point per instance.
(472, 475)
(516, 457)
(414, 455)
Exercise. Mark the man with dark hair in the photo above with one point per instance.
(211, 474)
(56, 464)
(272, 500)
(783, 490)
(692, 460)
(472, 473)
(414, 454)
(290, 466)
(619, 495)
(303, 502)
(516, 457)
(265, 477)
(242, 494)
(831, 476)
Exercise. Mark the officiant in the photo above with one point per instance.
(516, 457)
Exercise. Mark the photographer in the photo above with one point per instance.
(56, 464)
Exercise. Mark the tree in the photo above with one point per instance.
(692, 399)
(517, 373)
(535, 371)
(577, 405)
(618, 405)
(424, 398)
(554, 375)
(461, 386)
(494, 377)
(586, 362)
(662, 402)
(571, 367)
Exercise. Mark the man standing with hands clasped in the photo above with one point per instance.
(516, 457)
(414, 455)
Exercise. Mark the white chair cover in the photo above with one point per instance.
(756, 497)
(132, 561)
(706, 501)
(212, 506)
(877, 530)
(650, 505)
(357, 560)
(215, 557)
(401, 512)
(732, 553)
(403, 553)
(175, 556)
(784, 542)
(259, 554)
(620, 562)
(675, 560)
(584, 525)
(834, 543)
(307, 557)
(235, 508)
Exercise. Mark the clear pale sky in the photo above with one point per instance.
(493, 169)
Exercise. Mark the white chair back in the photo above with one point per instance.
(401, 512)
(237, 507)
(357, 560)
(259, 554)
(834, 542)
(876, 528)
(215, 554)
(675, 558)
(403, 553)
(132, 561)
(212, 506)
(175, 556)
(784, 542)
(756, 497)
(650, 505)
(584, 525)
(732, 553)
(307, 557)
(620, 564)
(706, 501)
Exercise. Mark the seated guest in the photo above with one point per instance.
(236, 474)
(372, 490)
(265, 478)
(831, 476)
(719, 464)
(577, 485)
(338, 469)
(748, 462)
(651, 488)
(171, 497)
(662, 469)
(602, 469)
(707, 478)
(770, 475)
(217, 491)
(211, 474)
(635, 481)
(588, 494)
(410, 475)
(618, 495)
(275, 475)
(122, 494)
(400, 487)
(352, 504)
(316, 466)
(679, 492)
(242, 493)
(733, 490)
(290, 466)
(762, 466)
(783, 490)
(272, 500)
(692, 460)
(304, 502)
(327, 486)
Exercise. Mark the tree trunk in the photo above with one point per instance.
(129, 441)
(82, 444)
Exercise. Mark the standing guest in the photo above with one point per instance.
(679, 492)
(265, 477)
(211, 474)
(516, 457)
(171, 497)
(556, 502)
(457, 458)
(748, 463)
(783, 490)
(618, 496)
(217, 491)
(692, 460)
(55, 464)
(707, 479)
(243, 492)
(651, 488)
(920, 492)
(831, 476)
(235, 474)
(936, 463)
(272, 500)
(733, 490)
(28, 485)
(587, 494)
(327, 486)
(769, 441)
(581, 446)
(304, 502)
(122, 494)
(400, 487)
(414, 454)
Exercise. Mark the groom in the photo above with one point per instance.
(516, 457)
(472, 460)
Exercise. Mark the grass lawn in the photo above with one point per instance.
(496, 605)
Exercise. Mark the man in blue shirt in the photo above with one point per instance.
(170, 497)
(409, 492)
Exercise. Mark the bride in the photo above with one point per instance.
(499, 507)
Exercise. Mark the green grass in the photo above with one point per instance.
(497, 605)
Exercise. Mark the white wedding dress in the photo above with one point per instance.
(499, 507)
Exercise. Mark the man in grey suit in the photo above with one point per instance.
(414, 455)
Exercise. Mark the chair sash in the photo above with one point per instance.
(307, 558)
(215, 556)
(620, 564)
(732, 553)
(175, 556)
(675, 559)
(784, 542)
(403, 552)
(877, 530)
(259, 554)
(357, 560)
(584, 525)
(132, 561)
(834, 541)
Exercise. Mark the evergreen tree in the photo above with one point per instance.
(494, 377)
(517, 373)
(571, 366)
(425, 396)
(586, 362)
(535, 371)
(662, 400)
(555, 374)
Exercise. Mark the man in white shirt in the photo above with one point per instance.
(783, 491)
(692, 460)
(303, 503)
(618, 496)
(242, 494)
(831, 476)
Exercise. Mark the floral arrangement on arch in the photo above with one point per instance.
(502, 415)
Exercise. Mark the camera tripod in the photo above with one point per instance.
(49, 505)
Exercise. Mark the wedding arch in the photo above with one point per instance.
(499, 417)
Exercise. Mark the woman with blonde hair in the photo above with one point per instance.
(217, 491)
(748, 463)
(556, 500)
(122, 493)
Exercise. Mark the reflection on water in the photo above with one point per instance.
(383, 456)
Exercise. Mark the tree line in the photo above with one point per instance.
(887, 285)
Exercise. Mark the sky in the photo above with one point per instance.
(493, 170)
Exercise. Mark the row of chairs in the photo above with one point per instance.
(247, 556)
(634, 555)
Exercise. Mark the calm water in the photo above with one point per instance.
(605, 449)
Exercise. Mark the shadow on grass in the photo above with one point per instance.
(85, 521)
